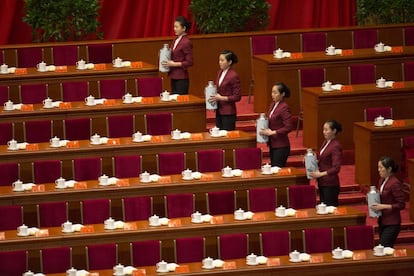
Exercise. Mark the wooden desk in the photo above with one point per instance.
(193, 108)
(267, 70)
(411, 179)
(373, 142)
(210, 182)
(183, 227)
(72, 74)
(148, 150)
(370, 265)
(348, 107)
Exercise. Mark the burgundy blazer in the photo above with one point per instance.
(392, 194)
(230, 87)
(330, 161)
(182, 53)
(281, 121)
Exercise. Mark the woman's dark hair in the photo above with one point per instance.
(230, 56)
(388, 162)
(282, 89)
(334, 125)
(183, 22)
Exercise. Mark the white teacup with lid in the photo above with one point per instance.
(379, 250)
(103, 179)
(48, 102)
(12, 145)
(381, 82)
(379, 121)
(267, 169)
(208, 263)
(330, 50)
(4, 68)
(278, 53)
(176, 134)
(145, 177)
(81, 64)
(71, 272)
(96, 139)
(28, 273)
(17, 185)
(8, 105)
(337, 253)
(196, 217)
(162, 266)
(321, 208)
(119, 270)
(327, 86)
(41, 66)
(165, 96)
(54, 142)
(154, 220)
(67, 227)
(251, 259)
(137, 136)
(239, 214)
(379, 47)
(109, 223)
(60, 182)
(127, 98)
(280, 211)
(214, 131)
(187, 174)
(90, 100)
(226, 171)
(23, 230)
(117, 62)
(294, 256)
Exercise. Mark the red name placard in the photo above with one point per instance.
(62, 68)
(110, 102)
(164, 179)
(217, 220)
(156, 139)
(316, 259)
(32, 147)
(26, 107)
(233, 134)
(196, 136)
(183, 98)
(114, 141)
(139, 272)
(229, 265)
(65, 105)
(20, 71)
(38, 188)
(72, 144)
(137, 64)
(87, 229)
(122, 183)
(80, 185)
(182, 269)
(348, 52)
(296, 55)
(42, 233)
(146, 100)
(99, 66)
(273, 262)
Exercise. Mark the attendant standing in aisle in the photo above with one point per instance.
(392, 202)
(181, 57)
(228, 91)
(280, 124)
(329, 163)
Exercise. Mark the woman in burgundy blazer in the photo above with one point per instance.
(280, 124)
(329, 163)
(181, 57)
(392, 202)
(228, 91)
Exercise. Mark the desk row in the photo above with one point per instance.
(66, 122)
(81, 235)
(179, 154)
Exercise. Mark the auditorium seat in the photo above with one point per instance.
(4, 93)
(179, 205)
(29, 57)
(95, 211)
(361, 73)
(408, 68)
(209, 160)
(233, 246)
(275, 243)
(262, 199)
(120, 125)
(149, 87)
(6, 133)
(38, 131)
(12, 217)
(127, 166)
(158, 123)
(301, 196)
(33, 93)
(145, 253)
(9, 172)
(112, 89)
(99, 53)
(13, 263)
(77, 128)
(137, 208)
(170, 162)
(312, 42)
(52, 214)
(65, 55)
(101, 256)
(247, 158)
(370, 113)
(189, 249)
(221, 202)
(55, 259)
(317, 240)
(46, 171)
(74, 91)
(359, 237)
(365, 38)
(88, 168)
